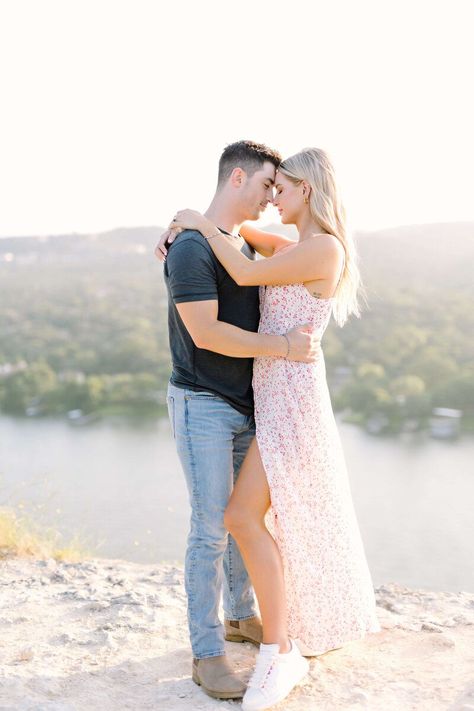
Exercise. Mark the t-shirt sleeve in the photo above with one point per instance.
(191, 272)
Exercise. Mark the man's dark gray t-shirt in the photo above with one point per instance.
(192, 273)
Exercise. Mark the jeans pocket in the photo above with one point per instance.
(170, 403)
(201, 395)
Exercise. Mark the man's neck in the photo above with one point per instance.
(224, 215)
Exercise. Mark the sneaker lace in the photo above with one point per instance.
(262, 671)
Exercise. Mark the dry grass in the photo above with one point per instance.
(20, 536)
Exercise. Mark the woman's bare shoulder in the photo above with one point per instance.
(329, 244)
(285, 246)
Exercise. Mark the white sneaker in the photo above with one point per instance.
(275, 675)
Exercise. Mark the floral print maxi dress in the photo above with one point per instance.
(329, 589)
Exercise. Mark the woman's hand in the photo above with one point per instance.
(167, 237)
(183, 220)
(193, 220)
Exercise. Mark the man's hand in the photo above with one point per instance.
(305, 347)
(167, 237)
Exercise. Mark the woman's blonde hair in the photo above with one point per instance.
(314, 166)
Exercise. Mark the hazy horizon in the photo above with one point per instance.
(264, 226)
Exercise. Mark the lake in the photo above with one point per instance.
(119, 487)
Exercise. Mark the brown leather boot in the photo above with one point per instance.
(244, 630)
(216, 677)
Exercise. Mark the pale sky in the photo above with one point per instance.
(114, 112)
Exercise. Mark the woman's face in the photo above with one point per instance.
(288, 199)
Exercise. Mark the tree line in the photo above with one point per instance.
(83, 326)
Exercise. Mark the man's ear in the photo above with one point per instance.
(237, 177)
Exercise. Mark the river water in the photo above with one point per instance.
(119, 487)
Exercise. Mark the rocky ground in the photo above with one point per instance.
(109, 635)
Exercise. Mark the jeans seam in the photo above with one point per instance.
(192, 462)
(172, 415)
(196, 505)
(230, 580)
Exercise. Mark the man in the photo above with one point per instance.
(213, 326)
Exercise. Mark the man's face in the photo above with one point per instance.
(257, 191)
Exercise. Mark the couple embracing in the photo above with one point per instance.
(271, 509)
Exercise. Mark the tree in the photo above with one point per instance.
(37, 381)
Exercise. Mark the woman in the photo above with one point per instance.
(291, 511)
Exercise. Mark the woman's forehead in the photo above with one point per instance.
(280, 178)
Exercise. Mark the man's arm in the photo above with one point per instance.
(200, 320)
(192, 280)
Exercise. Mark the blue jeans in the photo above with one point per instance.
(212, 439)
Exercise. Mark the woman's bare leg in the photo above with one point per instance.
(244, 519)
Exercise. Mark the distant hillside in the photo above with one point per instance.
(433, 255)
(440, 255)
(83, 325)
(78, 249)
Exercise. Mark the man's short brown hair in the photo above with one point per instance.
(247, 155)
